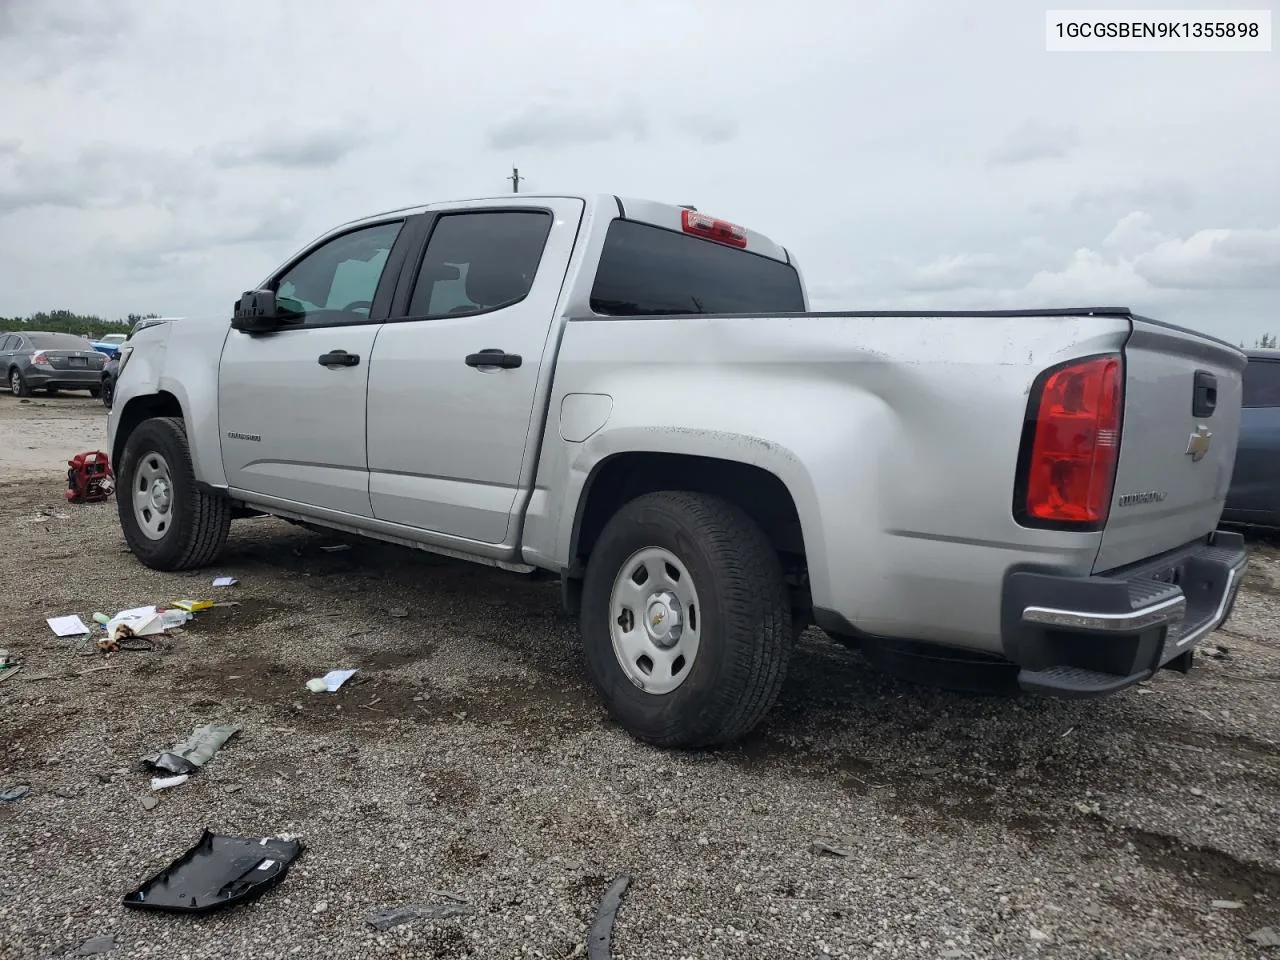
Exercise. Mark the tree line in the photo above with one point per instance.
(65, 321)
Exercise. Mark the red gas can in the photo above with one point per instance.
(89, 478)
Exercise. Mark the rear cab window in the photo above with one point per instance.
(651, 271)
(1261, 384)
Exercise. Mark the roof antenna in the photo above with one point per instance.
(515, 179)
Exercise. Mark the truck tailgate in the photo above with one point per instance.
(1177, 444)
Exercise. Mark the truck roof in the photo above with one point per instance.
(653, 212)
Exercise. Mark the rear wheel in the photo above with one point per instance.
(168, 521)
(107, 392)
(18, 384)
(686, 620)
(95, 392)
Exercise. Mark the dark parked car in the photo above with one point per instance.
(51, 361)
(1254, 496)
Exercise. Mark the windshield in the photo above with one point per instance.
(58, 341)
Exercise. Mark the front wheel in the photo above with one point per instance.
(686, 620)
(168, 521)
(107, 392)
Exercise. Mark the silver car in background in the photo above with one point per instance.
(49, 361)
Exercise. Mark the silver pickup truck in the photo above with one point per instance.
(634, 397)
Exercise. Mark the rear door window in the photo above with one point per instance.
(475, 262)
(1262, 384)
(646, 270)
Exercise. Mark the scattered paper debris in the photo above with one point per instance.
(164, 783)
(194, 752)
(1266, 937)
(330, 682)
(71, 626)
(225, 581)
(1227, 905)
(193, 606)
(149, 803)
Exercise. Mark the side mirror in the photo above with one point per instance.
(258, 312)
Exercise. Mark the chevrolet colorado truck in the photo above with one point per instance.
(634, 397)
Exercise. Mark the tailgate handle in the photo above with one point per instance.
(1205, 399)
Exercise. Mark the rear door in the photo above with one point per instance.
(457, 385)
(291, 403)
(1255, 485)
(1177, 443)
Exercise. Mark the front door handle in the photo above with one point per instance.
(494, 358)
(339, 358)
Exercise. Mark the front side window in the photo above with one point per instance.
(479, 261)
(336, 283)
(1262, 384)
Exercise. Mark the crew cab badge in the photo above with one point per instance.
(1198, 444)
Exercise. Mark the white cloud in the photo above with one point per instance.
(136, 168)
(1035, 140)
(954, 272)
(1135, 264)
(1133, 234)
(1218, 259)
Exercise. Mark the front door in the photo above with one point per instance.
(454, 417)
(291, 403)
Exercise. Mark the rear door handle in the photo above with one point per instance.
(339, 358)
(494, 358)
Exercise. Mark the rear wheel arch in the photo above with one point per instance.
(622, 477)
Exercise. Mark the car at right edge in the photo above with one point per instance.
(1254, 495)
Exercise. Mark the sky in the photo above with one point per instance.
(163, 156)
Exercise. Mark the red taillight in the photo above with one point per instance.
(709, 228)
(1070, 472)
(40, 359)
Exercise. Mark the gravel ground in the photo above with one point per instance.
(469, 756)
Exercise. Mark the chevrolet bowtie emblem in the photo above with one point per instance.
(657, 618)
(1198, 444)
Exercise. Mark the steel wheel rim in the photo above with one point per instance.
(153, 496)
(655, 620)
(15, 382)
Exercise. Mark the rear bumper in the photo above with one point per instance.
(1089, 636)
(65, 379)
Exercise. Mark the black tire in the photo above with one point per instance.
(745, 637)
(107, 392)
(200, 521)
(95, 392)
(18, 385)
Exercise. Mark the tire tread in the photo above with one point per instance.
(752, 603)
(209, 514)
